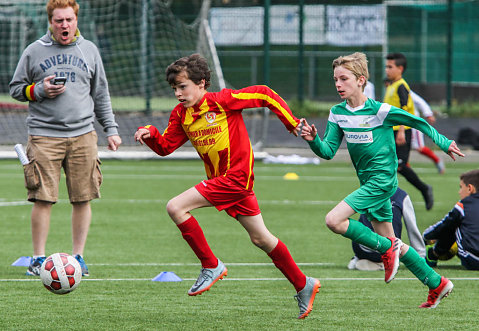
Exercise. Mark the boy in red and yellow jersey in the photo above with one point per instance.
(213, 123)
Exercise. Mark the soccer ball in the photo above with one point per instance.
(450, 254)
(60, 273)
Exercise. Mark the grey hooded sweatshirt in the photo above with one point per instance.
(71, 113)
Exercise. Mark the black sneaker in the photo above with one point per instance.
(428, 198)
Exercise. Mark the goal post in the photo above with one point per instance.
(206, 45)
(137, 41)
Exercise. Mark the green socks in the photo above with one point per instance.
(418, 266)
(363, 235)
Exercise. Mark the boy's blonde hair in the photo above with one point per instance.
(471, 177)
(357, 63)
(54, 4)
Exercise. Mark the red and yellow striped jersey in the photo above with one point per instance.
(216, 129)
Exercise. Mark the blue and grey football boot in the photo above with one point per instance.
(84, 268)
(35, 265)
(306, 296)
(207, 277)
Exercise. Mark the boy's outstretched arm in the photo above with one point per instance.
(397, 117)
(327, 147)
(163, 144)
(260, 96)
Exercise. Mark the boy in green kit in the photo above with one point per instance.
(367, 127)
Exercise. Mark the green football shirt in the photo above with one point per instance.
(369, 135)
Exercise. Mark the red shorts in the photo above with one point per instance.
(226, 195)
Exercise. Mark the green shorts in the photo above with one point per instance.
(373, 201)
(78, 156)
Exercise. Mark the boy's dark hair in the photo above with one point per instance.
(195, 67)
(471, 177)
(399, 60)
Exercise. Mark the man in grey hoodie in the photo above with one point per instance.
(62, 77)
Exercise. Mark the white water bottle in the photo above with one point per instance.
(21, 154)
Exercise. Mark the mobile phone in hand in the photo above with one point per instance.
(59, 81)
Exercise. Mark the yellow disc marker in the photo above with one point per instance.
(291, 176)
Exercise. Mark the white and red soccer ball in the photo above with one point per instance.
(60, 273)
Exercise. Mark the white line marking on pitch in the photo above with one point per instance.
(233, 279)
(14, 203)
(197, 264)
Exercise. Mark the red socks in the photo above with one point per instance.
(283, 260)
(426, 151)
(194, 236)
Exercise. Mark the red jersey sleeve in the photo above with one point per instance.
(172, 138)
(260, 96)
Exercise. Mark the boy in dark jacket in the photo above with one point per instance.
(460, 225)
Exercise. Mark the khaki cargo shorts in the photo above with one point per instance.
(78, 156)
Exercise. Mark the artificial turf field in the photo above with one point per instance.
(132, 240)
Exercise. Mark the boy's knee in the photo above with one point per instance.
(266, 243)
(336, 223)
(172, 209)
(331, 222)
(258, 242)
